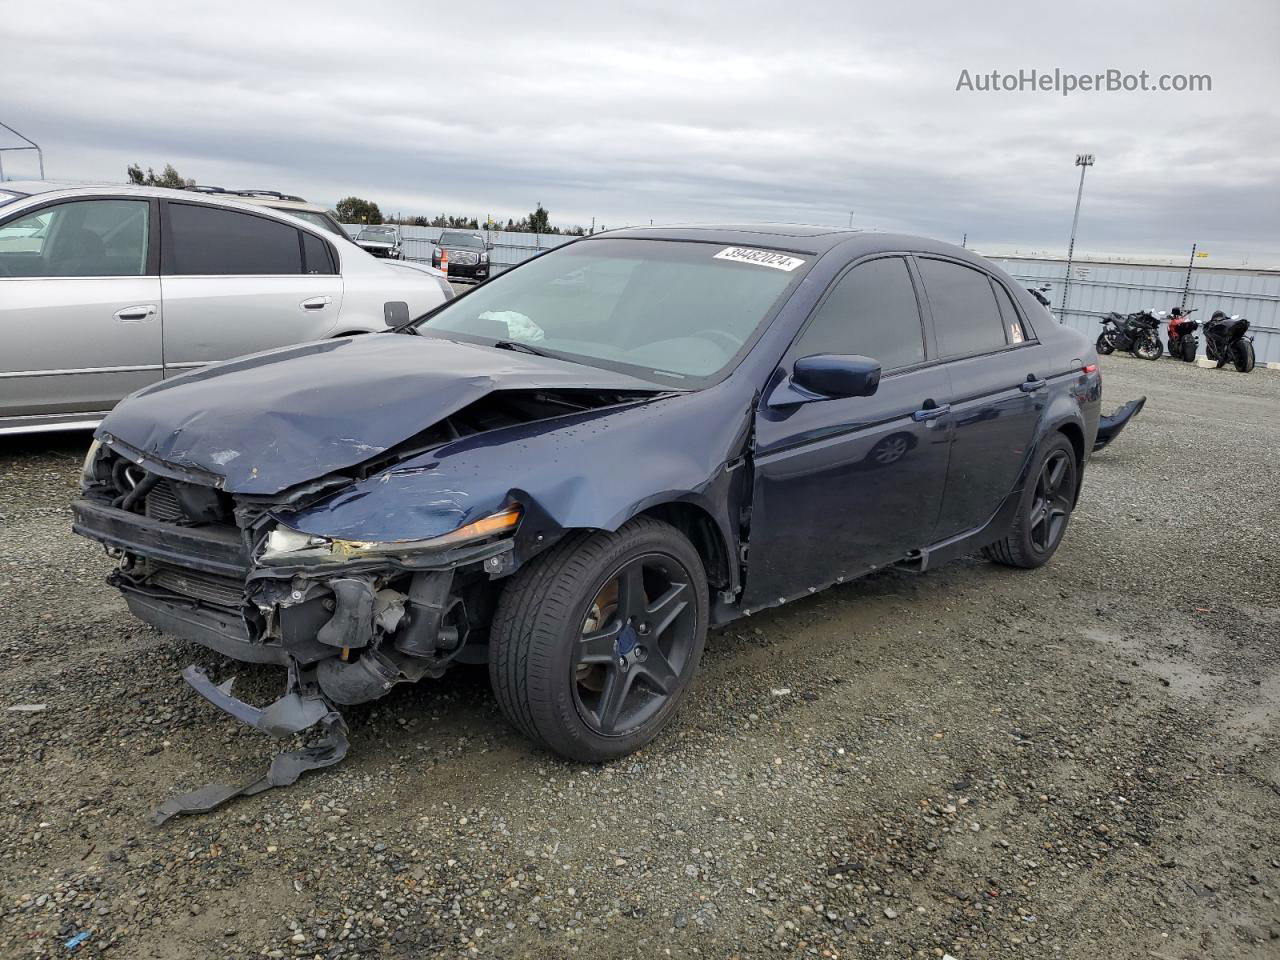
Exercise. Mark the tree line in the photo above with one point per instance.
(359, 210)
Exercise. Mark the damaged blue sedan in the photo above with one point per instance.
(574, 470)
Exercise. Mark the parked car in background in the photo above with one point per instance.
(380, 241)
(313, 213)
(468, 254)
(107, 289)
(577, 468)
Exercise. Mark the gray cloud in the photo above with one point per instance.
(688, 112)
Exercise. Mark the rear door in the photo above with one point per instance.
(998, 388)
(80, 306)
(845, 485)
(237, 282)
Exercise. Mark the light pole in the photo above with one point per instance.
(1083, 161)
(850, 219)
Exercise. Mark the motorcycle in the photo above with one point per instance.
(1183, 343)
(1225, 341)
(1135, 332)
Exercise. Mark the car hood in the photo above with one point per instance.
(270, 421)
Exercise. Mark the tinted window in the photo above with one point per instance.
(86, 238)
(872, 311)
(468, 240)
(965, 315)
(1013, 331)
(317, 254)
(207, 241)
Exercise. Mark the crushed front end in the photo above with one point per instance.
(348, 619)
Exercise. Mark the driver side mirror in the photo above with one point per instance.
(828, 376)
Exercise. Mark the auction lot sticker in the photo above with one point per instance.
(761, 258)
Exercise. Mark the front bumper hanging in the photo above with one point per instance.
(292, 713)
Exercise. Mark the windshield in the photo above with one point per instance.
(468, 240)
(674, 311)
(377, 233)
(315, 218)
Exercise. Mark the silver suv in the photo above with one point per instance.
(106, 289)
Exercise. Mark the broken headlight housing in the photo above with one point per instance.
(286, 545)
(88, 470)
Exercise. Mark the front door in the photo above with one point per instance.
(846, 485)
(80, 308)
(238, 283)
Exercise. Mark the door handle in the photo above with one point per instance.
(931, 411)
(1031, 385)
(316, 303)
(143, 311)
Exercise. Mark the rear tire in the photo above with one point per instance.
(1244, 357)
(594, 644)
(1104, 344)
(1044, 509)
(1188, 351)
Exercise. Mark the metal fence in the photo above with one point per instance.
(1096, 288)
(1099, 288)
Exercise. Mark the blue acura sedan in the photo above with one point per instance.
(576, 469)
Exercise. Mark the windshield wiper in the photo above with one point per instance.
(520, 347)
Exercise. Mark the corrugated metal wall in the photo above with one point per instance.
(1098, 288)
(508, 248)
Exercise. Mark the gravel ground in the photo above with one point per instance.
(1075, 762)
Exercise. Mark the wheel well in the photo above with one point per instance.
(699, 526)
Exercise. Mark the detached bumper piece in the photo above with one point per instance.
(1109, 427)
(292, 713)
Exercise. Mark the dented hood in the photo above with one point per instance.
(273, 420)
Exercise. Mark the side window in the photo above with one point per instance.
(1013, 330)
(872, 311)
(83, 238)
(965, 316)
(316, 253)
(210, 241)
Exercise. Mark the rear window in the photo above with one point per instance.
(965, 316)
(210, 241)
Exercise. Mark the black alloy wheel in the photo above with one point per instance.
(1044, 509)
(1051, 505)
(595, 642)
(637, 636)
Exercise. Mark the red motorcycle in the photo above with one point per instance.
(1183, 343)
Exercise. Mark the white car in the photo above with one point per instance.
(105, 289)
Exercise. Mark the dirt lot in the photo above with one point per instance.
(1078, 762)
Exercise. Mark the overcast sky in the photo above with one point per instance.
(693, 111)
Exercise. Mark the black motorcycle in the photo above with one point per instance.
(1183, 343)
(1135, 332)
(1225, 341)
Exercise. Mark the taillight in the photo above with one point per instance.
(1089, 368)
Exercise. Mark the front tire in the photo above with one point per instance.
(594, 644)
(1188, 350)
(1044, 510)
(1149, 348)
(1244, 356)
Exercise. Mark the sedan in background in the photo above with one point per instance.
(468, 254)
(108, 289)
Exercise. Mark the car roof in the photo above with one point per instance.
(798, 238)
